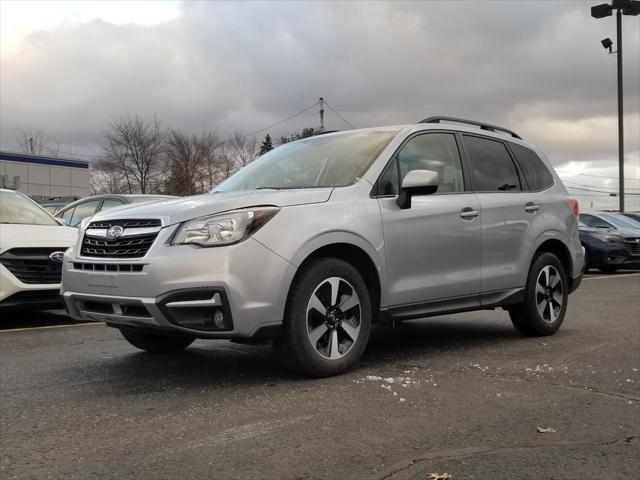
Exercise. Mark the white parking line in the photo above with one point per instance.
(49, 327)
(620, 275)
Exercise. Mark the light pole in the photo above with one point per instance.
(622, 7)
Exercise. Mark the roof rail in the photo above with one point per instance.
(483, 126)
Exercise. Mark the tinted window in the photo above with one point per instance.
(437, 152)
(111, 203)
(535, 171)
(491, 166)
(83, 211)
(593, 222)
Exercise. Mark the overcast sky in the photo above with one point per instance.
(538, 67)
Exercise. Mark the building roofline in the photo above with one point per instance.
(43, 160)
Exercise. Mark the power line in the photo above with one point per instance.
(590, 186)
(599, 191)
(599, 176)
(334, 111)
(280, 122)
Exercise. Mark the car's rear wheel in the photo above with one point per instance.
(156, 343)
(327, 320)
(546, 294)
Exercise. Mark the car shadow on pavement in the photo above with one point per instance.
(225, 365)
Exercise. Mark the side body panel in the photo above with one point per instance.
(432, 253)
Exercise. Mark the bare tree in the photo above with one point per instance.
(135, 148)
(106, 177)
(212, 169)
(243, 150)
(32, 141)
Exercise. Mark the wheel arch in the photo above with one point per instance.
(556, 246)
(355, 255)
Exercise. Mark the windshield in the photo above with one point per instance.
(16, 208)
(620, 221)
(322, 161)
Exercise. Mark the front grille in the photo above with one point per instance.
(131, 246)
(633, 245)
(144, 223)
(108, 267)
(33, 265)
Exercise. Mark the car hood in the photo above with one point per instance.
(618, 232)
(187, 208)
(34, 236)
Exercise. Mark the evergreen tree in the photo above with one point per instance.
(266, 145)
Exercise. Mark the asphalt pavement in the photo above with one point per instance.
(462, 394)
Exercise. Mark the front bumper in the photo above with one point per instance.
(615, 255)
(247, 282)
(14, 293)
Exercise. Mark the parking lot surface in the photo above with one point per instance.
(463, 394)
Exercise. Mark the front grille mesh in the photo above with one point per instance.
(633, 245)
(124, 247)
(33, 265)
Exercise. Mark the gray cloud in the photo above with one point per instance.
(241, 66)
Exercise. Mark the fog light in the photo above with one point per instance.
(218, 318)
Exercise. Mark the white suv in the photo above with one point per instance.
(32, 245)
(319, 238)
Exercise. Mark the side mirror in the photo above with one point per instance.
(417, 182)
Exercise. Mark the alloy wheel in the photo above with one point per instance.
(333, 318)
(549, 294)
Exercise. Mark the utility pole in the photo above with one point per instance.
(321, 103)
(622, 7)
(620, 115)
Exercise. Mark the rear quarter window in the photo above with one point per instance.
(535, 171)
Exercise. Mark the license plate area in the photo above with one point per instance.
(103, 280)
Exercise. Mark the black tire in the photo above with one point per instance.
(526, 316)
(587, 261)
(156, 343)
(294, 349)
(608, 269)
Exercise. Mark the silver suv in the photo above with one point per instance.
(315, 241)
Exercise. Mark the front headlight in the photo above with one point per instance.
(224, 228)
(605, 237)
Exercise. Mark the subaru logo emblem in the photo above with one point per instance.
(56, 257)
(114, 232)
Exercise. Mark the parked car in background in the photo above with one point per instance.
(633, 215)
(32, 245)
(611, 241)
(319, 238)
(77, 211)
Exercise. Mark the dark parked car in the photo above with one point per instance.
(633, 215)
(611, 241)
(77, 211)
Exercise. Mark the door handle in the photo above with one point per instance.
(531, 207)
(469, 213)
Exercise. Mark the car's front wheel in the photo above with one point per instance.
(327, 320)
(546, 294)
(156, 343)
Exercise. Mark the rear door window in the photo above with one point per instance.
(533, 168)
(492, 168)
